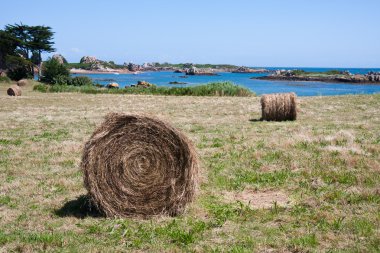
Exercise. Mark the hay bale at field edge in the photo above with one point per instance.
(140, 166)
(23, 82)
(14, 90)
(279, 107)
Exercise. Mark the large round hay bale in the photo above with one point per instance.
(23, 82)
(279, 107)
(137, 165)
(14, 90)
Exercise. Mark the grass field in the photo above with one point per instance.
(309, 185)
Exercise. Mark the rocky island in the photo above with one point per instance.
(244, 70)
(329, 76)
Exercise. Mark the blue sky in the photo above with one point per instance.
(294, 33)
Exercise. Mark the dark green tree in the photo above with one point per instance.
(32, 41)
(41, 40)
(21, 33)
(18, 67)
(52, 70)
(8, 45)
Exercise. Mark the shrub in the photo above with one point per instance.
(41, 88)
(211, 89)
(332, 72)
(62, 80)
(299, 72)
(18, 68)
(52, 69)
(81, 81)
(5, 79)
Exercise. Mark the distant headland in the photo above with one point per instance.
(92, 65)
(332, 76)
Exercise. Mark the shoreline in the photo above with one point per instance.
(110, 71)
(126, 71)
(317, 79)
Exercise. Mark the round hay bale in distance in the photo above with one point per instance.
(139, 166)
(14, 90)
(279, 107)
(23, 82)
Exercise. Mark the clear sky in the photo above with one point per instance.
(294, 33)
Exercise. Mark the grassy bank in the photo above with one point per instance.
(306, 186)
(211, 89)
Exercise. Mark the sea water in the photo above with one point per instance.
(163, 78)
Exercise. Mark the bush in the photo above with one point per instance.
(76, 81)
(5, 79)
(18, 68)
(332, 72)
(62, 80)
(52, 70)
(299, 72)
(211, 89)
(41, 88)
(81, 81)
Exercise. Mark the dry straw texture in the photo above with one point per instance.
(14, 90)
(23, 82)
(279, 107)
(137, 165)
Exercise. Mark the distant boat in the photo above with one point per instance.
(116, 73)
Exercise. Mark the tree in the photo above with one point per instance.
(20, 33)
(8, 45)
(52, 69)
(18, 67)
(40, 41)
(32, 41)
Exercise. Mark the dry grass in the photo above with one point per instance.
(326, 164)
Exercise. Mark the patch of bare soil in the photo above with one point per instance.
(259, 200)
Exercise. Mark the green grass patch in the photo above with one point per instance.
(57, 135)
(6, 142)
(210, 89)
(5, 79)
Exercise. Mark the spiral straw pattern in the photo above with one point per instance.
(137, 165)
(14, 90)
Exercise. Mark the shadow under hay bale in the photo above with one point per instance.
(79, 208)
(14, 90)
(279, 107)
(136, 165)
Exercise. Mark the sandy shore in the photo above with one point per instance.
(109, 71)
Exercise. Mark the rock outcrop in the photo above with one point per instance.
(144, 84)
(175, 82)
(113, 85)
(59, 58)
(133, 67)
(249, 70)
(330, 76)
(193, 71)
(89, 59)
(97, 65)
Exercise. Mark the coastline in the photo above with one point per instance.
(361, 81)
(107, 71)
(212, 71)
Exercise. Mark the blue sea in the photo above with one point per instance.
(258, 86)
